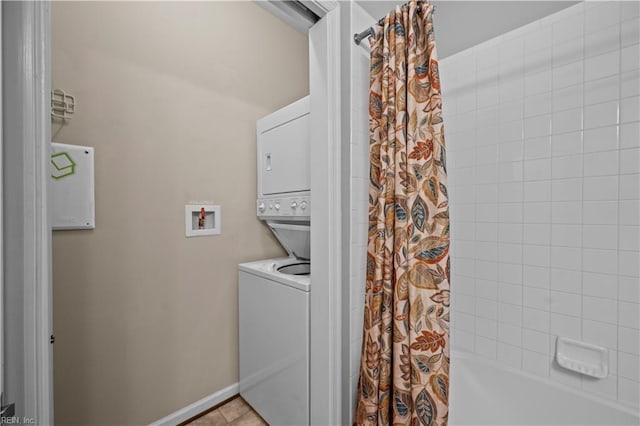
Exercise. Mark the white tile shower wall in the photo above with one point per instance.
(544, 158)
(359, 186)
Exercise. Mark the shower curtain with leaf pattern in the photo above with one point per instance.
(404, 372)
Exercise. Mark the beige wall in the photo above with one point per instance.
(168, 94)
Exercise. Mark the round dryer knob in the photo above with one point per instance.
(277, 206)
(303, 205)
(261, 207)
(294, 205)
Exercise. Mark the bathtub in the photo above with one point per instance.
(483, 392)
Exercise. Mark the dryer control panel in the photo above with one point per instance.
(291, 208)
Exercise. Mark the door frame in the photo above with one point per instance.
(326, 216)
(327, 178)
(33, 41)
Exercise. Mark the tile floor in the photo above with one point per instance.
(234, 413)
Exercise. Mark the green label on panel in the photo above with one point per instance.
(64, 165)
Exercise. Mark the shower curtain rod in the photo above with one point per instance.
(358, 37)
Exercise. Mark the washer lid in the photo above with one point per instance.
(296, 239)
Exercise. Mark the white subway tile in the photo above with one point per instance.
(511, 151)
(565, 303)
(630, 135)
(536, 255)
(536, 298)
(602, 90)
(487, 232)
(628, 340)
(537, 104)
(601, 188)
(602, 65)
(566, 258)
(629, 212)
(600, 285)
(600, 212)
(486, 308)
(567, 52)
(600, 333)
(597, 309)
(630, 187)
(567, 121)
(566, 189)
(510, 232)
(535, 319)
(628, 289)
(537, 212)
(630, 83)
(566, 167)
(487, 289)
(567, 75)
(511, 192)
(629, 366)
(539, 234)
(566, 280)
(537, 83)
(510, 314)
(566, 144)
(602, 41)
(509, 334)
(565, 326)
(487, 213)
(630, 32)
(601, 163)
(605, 114)
(510, 273)
(510, 172)
(537, 61)
(630, 58)
(510, 89)
(629, 238)
(537, 191)
(566, 235)
(536, 341)
(630, 109)
(601, 139)
(629, 10)
(510, 253)
(537, 126)
(568, 98)
(629, 314)
(601, 261)
(569, 212)
(486, 270)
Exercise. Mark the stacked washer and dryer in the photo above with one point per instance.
(274, 293)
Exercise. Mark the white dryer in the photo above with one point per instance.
(274, 293)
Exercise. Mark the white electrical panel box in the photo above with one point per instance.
(72, 187)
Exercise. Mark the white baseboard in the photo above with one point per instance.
(198, 407)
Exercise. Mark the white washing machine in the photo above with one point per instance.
(274, 293)
(274, 331)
